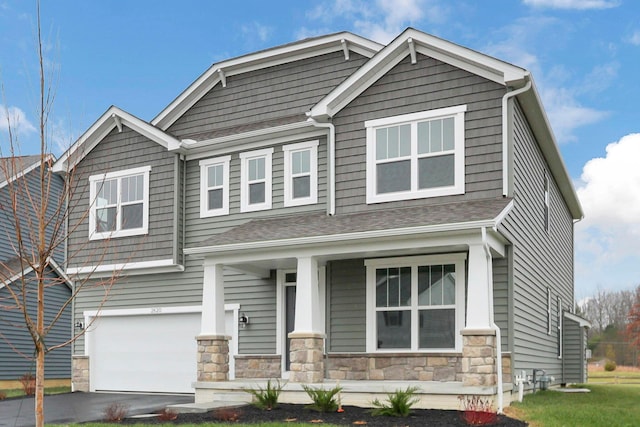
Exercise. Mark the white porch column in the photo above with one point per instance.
(479, 289)
(307, 338)
(213, 300)
(307, 298)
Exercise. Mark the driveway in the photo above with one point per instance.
(80, 407)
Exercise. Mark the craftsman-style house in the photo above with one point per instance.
(331, 209)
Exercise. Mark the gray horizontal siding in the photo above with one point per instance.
(16, 358)
(541, 258)
(501, 299)
(117, 152)
(199, 229)
(347, 320)
(409, 88)
(573, 352)
(265, 94)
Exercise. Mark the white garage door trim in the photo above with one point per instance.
(231, 319)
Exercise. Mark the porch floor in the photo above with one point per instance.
(431, 394)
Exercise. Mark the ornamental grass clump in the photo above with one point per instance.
(398, 403)
(478, 411)
(323, 400)
(266, 398)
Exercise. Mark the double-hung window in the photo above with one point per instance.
(416, 155)
(415, 303)
(301, 173)
(255, 193)
(119, 203)
(214, 186)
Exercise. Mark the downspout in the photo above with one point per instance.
(331, 160)
(184, 206)
(505, 134)
(493, 325)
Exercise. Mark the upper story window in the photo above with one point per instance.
(301, 173)
(119, 203)
(415, 303)
(214, 186)
(255, 193)
(416, 155)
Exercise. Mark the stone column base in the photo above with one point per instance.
(307, 362)
(80, 373)
(478, 358)
(213, 358)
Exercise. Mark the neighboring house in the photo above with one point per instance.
(331, 209)
(16, 344)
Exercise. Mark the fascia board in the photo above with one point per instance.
(56, 267)
(338, 238)
(101, 128)
(582, 322)
(260, 60)
(537, 118)
(23, 172)
(467, 59)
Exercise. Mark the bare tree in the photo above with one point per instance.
(39, 222)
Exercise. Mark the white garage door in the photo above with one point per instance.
(145, 352)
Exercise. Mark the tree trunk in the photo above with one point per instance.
(40, 350)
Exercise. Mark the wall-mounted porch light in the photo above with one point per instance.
(243, 320)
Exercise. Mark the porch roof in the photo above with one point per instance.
(319, 224)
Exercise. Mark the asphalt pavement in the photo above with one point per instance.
(80, 407)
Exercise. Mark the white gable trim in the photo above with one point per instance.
(54, 265)
(259, 60)
(405, 44)
(114, 117)
(23, 172)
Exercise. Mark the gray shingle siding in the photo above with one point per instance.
(541, 259)
(407, 88)
(118, 152)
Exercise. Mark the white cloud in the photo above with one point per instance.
(381, 20)
(608, 238)
(17, 120)
(256, 30)
(635, 38)
(573, 4)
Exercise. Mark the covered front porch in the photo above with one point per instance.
(464, 359)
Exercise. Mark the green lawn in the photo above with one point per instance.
(606, 405)
(615, 377)
(49, 390)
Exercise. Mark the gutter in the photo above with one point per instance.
(506, 170)
(331, 160)
(493, 325)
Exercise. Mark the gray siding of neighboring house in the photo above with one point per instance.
(409, 88)
(57, 363)
(541, 259)
(573, 351)
(267, 94)
(117, 152)
(501, 306)
(347, 318)
(25, 213)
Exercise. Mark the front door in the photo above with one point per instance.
(288, 286)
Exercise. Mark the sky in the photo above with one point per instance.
(140, 55)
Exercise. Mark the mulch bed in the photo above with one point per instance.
(352, 415)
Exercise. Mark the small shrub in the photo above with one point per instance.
(115, 412)
(323, 400)
(3, 395)
(398, 404)
(610, 366)
(167, 415)
(267, 398)
(227, 414)
(478, 411)
(28, 382)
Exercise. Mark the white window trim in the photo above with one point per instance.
(548, 311)
(457, 112)
(414, 261)
(267, 153)
(288, 150)
(547, 210)
(204, 189)
(95, 179)
(560, 343)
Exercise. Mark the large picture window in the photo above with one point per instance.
(416, 155)
(415, 303)
(214, 186)
(119, 203)
(256, 180)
